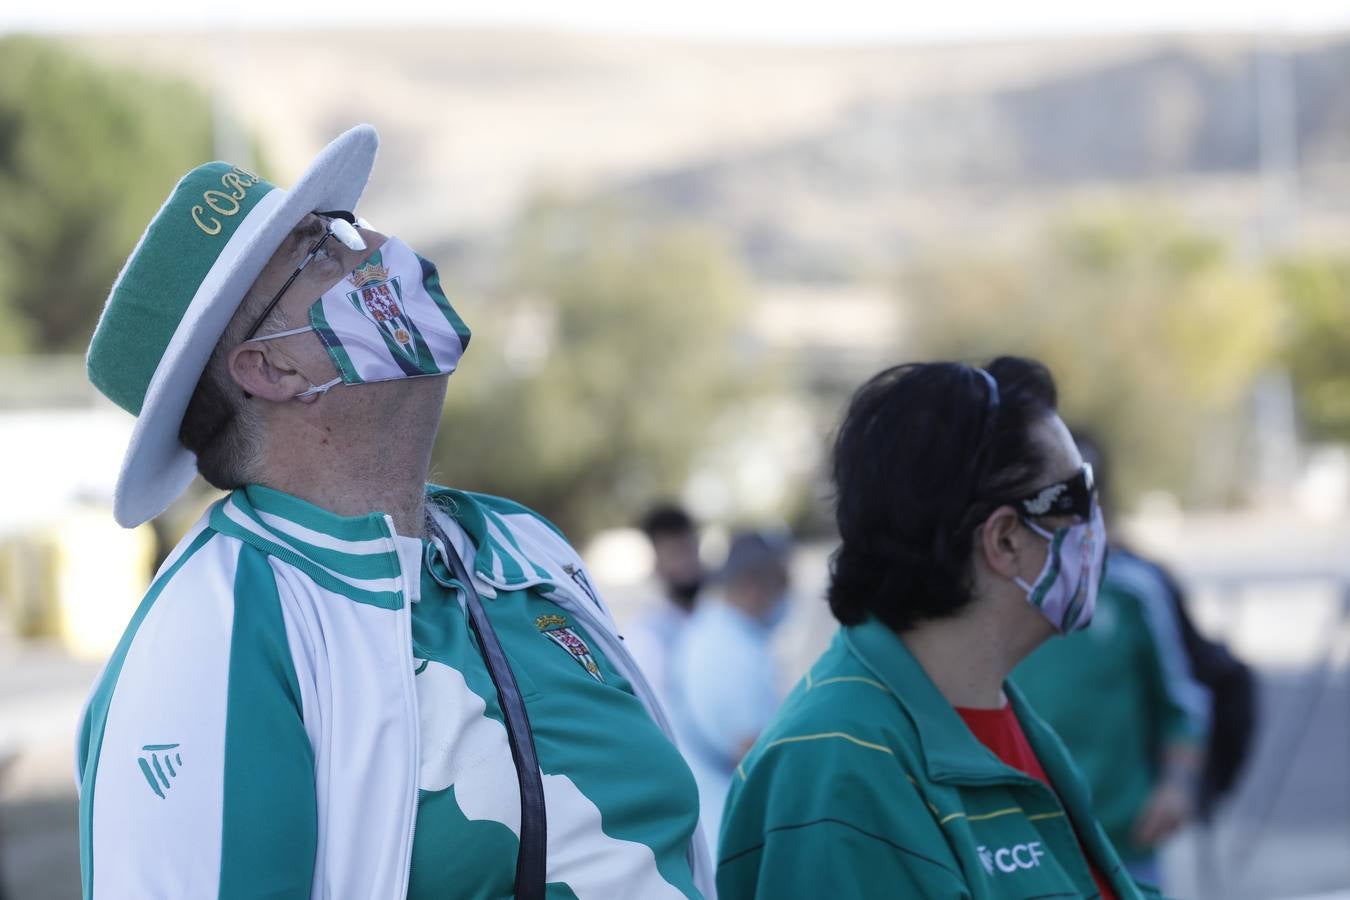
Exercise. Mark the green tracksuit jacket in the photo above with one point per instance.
(868, 784)
(1132, 653)
(299, 709)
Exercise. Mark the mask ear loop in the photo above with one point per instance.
(280, 334)
(313, 388)
(319, 388)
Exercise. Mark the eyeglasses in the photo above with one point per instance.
(340, 224)
(1072, 497)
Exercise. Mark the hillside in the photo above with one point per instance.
(822, 164)
(1172, 125)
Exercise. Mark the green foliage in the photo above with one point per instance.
(87, 155)
(1316, 344)
(1153, 335)
(597, 368)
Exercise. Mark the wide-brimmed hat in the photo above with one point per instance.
(178, 291)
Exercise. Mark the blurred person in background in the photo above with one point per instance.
(1142, 751)
(678, 574)
(724, 683)
(904, 764)
(346, 682)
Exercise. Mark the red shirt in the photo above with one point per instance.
(999, 730)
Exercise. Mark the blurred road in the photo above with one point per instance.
(42, 691)
(1286, 832)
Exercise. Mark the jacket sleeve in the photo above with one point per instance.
(196, 773)
(1181, 704)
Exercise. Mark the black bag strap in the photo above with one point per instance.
(531, 863)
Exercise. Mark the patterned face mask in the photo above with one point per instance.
(1066, 590)
(386, 319)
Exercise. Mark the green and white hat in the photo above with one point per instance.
(178, 292)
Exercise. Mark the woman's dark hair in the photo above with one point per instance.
(923, 456)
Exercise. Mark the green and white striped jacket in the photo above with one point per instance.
(257, 732)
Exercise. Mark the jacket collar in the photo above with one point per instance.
(354, 556)
(489, 547)
(357, 556)
(951, 753)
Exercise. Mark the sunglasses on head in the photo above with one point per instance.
(1071, 497)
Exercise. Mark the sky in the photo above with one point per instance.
(840, 21)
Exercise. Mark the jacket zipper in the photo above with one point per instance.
(409, 705)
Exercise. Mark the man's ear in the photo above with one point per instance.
(262, 371)
(1000, 541)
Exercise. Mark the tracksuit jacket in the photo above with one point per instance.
(274, 647)
(868, 784)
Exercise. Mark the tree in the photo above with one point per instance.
(1153, 335)
(596, 365)
(87, 155)
(1316, 342)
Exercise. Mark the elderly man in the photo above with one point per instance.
(345, 682)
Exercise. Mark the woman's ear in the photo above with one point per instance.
(261, 370)
(999, 541)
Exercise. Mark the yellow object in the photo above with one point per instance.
(101, 572)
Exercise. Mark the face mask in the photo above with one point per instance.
(386, 319)
(1066, 590)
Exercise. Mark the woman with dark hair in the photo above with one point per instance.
(904, 764)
